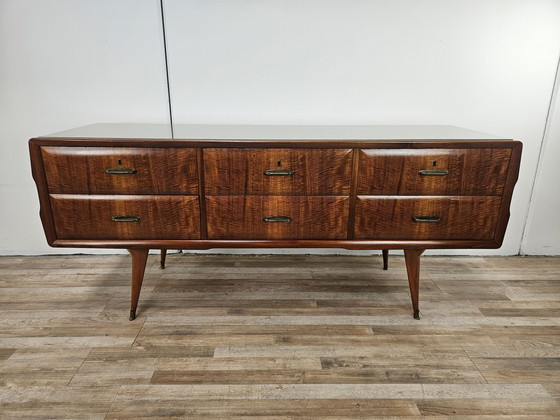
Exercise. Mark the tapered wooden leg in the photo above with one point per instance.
(139, 258)
(385, 259)
(162, 258)
(412, 259)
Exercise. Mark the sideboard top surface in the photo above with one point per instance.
(275, 132)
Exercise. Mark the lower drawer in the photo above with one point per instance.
(277, 217)
(125, 216)
(428, 218)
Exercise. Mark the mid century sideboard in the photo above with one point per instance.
(356, 187)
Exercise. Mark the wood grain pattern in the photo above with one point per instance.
(335, 341)
(238, 217)
(396, 172)
(161, 217)
(391, 217)
(241, 171)
(340, 167)
(81, 170)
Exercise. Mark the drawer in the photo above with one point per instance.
(433, 171)
(429, 218)
(277, 171)
(125, 217)
(120, 170)
(277, 217)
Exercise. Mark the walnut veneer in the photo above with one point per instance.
(355, 187)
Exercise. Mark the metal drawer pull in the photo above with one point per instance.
(120, 171)
(433, 172)
(426, 219)
(279, 172)
(277, 219)
(126, 218)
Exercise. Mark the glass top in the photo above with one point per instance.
(275, 132)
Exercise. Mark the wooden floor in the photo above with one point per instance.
(282, 336)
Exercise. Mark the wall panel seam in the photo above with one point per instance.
(166, 67)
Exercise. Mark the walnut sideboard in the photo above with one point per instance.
(355, 187)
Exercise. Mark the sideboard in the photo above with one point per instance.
(143, 187)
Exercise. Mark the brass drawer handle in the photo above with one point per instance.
(126, 218)
(426, 219)
(277, 219)
(120, 171)
(433, 172)
(279, 172)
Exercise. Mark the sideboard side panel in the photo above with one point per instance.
(38, 173)
(511, 180)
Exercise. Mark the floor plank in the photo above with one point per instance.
(257, 409)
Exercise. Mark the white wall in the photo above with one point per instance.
(66, 63)
(487, 65)
(542, 233)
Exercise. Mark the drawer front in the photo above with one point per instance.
(429, 218)
(120, 170)
(277, 217)
(277, 171)
(433, 171)
(125, 217)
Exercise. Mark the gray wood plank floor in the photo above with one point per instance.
(279, 337)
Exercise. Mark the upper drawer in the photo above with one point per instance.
(277, 171)
(433, 171)
(120, 170)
